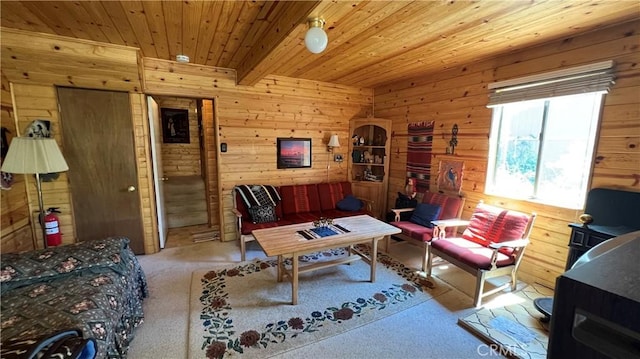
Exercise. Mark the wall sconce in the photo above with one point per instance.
(316, 39)
(333, 142)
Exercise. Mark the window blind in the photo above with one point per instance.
(582, 79)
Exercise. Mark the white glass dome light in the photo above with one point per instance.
(316, 39)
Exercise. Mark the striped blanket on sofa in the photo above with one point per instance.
(258, 195)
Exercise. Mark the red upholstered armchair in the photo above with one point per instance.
(492, 245)
(451, 207)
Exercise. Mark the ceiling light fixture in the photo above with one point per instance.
(182, 58)
(316, 39)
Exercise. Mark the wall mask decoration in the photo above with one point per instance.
(454, 139)
(6, 179)
(41, 128)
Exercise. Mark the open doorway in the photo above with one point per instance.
(181, 170)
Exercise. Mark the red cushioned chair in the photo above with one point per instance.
(451, 208)
(492, 245)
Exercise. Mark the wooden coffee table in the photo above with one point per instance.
(285, 242)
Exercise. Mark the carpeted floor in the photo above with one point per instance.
(426, 330)
(243, 309)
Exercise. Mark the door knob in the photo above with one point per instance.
(131, 189)
(164, 178)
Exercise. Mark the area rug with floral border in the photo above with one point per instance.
(243, 311)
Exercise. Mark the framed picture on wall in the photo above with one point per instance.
(450, 175)
(294, 153)
(175, 125)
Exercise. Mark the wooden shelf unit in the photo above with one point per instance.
(368, 161)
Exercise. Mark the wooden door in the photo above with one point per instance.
(98, 146)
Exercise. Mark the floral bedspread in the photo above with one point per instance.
(95, 286)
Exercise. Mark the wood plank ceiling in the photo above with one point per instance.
(370, 42)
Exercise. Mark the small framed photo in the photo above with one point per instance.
(39, 128)
(175, 125)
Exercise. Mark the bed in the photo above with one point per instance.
(96, 287)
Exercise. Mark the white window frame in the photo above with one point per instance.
(594, 78)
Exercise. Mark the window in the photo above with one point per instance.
(541, 148)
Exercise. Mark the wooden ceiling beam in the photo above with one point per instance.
(257, 61)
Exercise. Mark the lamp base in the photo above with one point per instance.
(42, 213)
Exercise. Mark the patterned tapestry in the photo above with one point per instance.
(419, 154)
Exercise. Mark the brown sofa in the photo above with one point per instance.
(299, 204)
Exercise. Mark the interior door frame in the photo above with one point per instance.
(215, 127)
(203, 155)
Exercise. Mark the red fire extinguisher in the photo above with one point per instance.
(52, 227)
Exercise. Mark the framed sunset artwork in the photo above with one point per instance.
(294, 153)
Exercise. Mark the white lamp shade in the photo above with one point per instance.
(333, 141)
(316, 40)
(34, 155)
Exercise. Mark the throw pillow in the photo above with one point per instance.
(263, 214)
(349, 203)
(425, 213)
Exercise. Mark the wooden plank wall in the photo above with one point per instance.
(83, 64)
(250, 119)
(15, 223)
(40, 58)
(40, 102)
(181, 159)
(459, 96)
